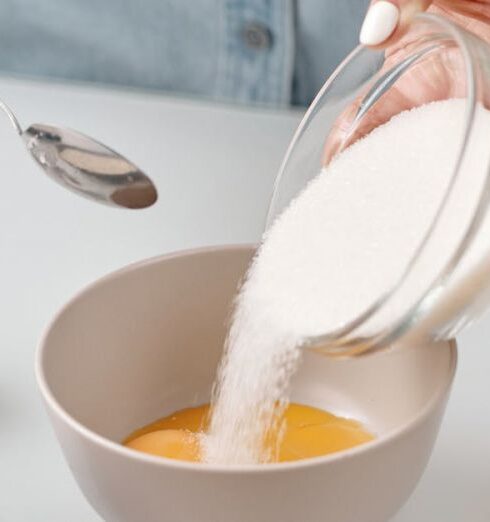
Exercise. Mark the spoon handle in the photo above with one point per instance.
(6, 109)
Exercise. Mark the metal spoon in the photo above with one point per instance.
(85, 166)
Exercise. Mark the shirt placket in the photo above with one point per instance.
(256, 51)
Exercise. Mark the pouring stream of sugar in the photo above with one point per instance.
(346, 239)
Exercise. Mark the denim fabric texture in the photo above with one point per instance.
(272, 52)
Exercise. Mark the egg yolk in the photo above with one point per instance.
(306, 432)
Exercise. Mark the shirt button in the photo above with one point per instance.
(257, 36)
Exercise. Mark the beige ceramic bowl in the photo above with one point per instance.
(146, 340)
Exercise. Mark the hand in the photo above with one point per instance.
(436, 78)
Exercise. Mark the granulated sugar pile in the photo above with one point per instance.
(343, 242)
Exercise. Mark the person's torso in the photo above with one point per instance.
(273, 52)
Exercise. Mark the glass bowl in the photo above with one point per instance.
(361, 83)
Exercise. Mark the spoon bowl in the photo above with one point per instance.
(85, 166)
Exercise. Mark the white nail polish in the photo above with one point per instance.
(380, 22)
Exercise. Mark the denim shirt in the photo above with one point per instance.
(273, 52)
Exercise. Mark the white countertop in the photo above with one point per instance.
(214, 167)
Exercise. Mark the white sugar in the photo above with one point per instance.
(343, 242)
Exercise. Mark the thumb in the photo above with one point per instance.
(386, 21)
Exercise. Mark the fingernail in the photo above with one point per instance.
(380, 22)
